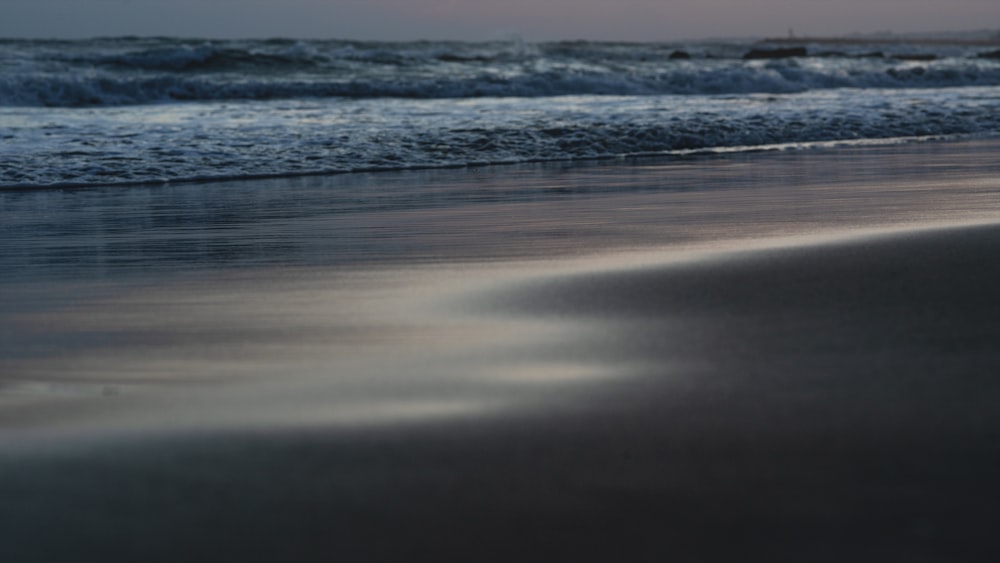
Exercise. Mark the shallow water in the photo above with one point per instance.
(488, 213)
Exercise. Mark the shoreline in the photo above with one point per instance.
(915, 41)
(788, 357)
(490, 214)
(614, 160)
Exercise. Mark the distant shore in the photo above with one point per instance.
(937, 41)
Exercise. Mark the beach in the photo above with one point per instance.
(765, 356)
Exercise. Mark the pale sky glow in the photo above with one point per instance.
(635, 20)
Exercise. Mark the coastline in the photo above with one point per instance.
(914, 41)
(780, 356)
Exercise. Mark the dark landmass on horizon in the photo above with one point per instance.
(986, 37)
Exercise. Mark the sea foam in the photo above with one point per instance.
(119, 111)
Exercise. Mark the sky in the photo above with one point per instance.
(533, 20)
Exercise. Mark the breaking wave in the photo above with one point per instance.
(130, 72)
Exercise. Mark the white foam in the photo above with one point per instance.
(141, 71)
(152, 110)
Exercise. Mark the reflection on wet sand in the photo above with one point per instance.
(793, 361)
(800, 403)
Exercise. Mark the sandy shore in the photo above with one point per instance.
(794, 360)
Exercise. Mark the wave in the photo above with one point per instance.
(135, 71)
(285, 108)
(271, 139)
(209, 58)
(98, 89)
(107, 178)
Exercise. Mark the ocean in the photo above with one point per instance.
(124, 111)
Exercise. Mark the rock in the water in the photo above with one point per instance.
(783, 53)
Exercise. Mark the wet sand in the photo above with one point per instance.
(792, 366)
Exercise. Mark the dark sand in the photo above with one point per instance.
(831, 398)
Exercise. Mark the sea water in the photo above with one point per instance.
(155, 110)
